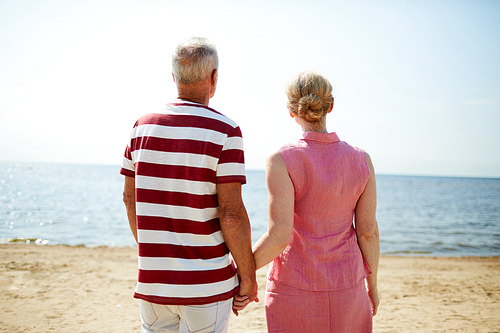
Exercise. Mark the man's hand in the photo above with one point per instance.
(249, 289)
(235, 228)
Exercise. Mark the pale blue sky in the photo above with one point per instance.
(418, 81)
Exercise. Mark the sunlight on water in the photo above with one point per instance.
(82, 204)
(66, 204)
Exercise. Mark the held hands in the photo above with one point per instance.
(247, 294)
(240, 303)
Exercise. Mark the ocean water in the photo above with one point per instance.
(82, 204)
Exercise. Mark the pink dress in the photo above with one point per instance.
(317, 283)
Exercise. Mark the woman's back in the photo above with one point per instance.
(328, 176)
(319, 259)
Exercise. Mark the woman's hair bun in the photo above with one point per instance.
(309, 95)
(310, 107)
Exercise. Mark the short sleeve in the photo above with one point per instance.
(231, 165)
(128, 168)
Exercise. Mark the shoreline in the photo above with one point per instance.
(89, 289)
(409, 254)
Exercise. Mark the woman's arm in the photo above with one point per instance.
(367, 234)
(280, 212)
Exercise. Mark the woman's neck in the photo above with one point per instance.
(319, 126)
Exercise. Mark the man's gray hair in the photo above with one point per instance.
(193, 60)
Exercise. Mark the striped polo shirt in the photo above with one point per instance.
(177, 157)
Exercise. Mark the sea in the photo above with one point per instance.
(82, 205)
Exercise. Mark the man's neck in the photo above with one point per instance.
(195, 99)
(197, 92)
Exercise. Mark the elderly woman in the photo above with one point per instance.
(320, 259)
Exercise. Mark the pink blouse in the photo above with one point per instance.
(328, 176)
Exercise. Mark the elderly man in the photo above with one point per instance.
(183, 171)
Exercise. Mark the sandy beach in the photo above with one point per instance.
(78, 289)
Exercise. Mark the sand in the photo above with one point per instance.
(78, 289)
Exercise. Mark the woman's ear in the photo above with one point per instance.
(331, 106)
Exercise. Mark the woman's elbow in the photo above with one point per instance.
(368, 233)
(368, 238)
(284, 238)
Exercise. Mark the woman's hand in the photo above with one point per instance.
(239, 303)
(374, 300)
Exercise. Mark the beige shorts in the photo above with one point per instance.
(207, 318)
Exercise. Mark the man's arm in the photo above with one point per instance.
(235, 227)
(129, 200)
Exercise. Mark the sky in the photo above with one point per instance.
(418, 82)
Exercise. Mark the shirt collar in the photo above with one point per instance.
(321, 137)
(183, 101)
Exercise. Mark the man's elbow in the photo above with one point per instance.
(230, 220)
(128, 200)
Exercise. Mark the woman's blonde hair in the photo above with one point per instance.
(309, 95)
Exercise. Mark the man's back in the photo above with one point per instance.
(177, 158)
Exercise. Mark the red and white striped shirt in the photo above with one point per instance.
(177, 157)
